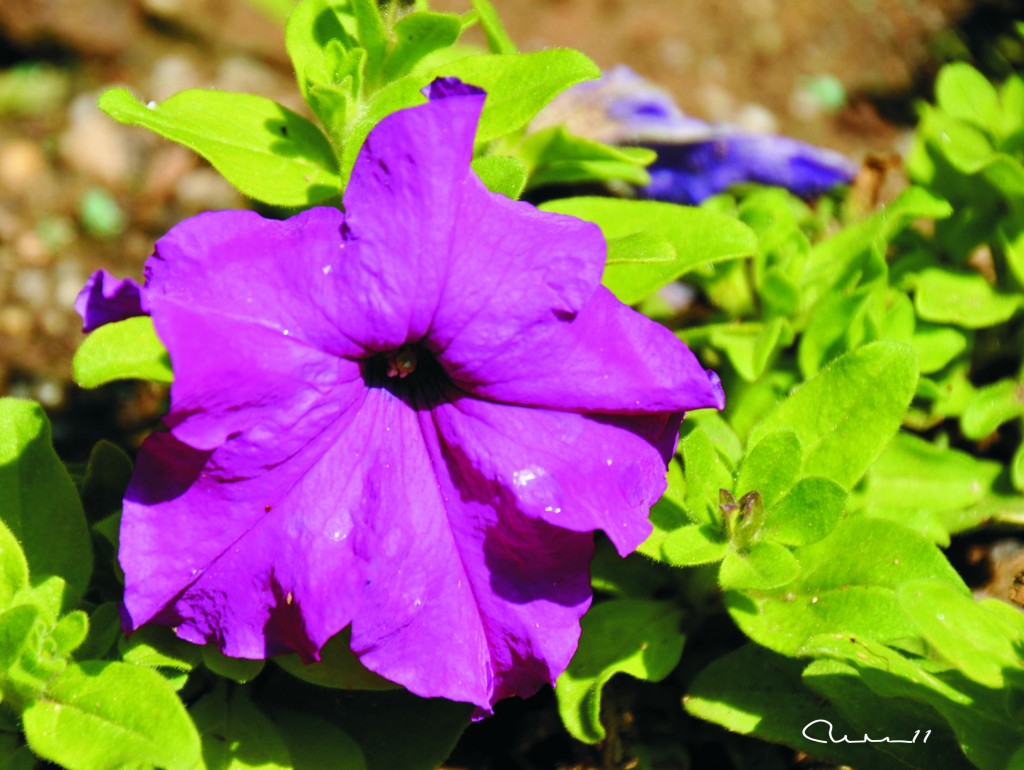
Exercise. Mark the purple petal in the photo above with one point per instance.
(402, 204)
(443, 88)
(574, 471)
(105, 299)
(608, 358)
(691, 173)
(258, 564)
(259, 325)
(450, 567)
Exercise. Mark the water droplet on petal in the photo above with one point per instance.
(326, 269)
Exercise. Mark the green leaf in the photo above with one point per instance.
(38, 501)
(630, 636)
(70, 632)
(494, 31)
(836, 326)
(99, 715)
(991, 406)
(518, 85)
(556, 157)
(764, 566)
(104, 631)
(106, 479)
(236, 735)
(846, 415)
(831, 260)
(13, 566)
(501, 174)
(914, 475)
(976, 717)
(753, 691)
(691, 545)
(867, 713)
(847, 584)
(429, 727)
(962, 298)
(937, 346)
(699, 238)
(749, 346)
(316, 744)
(265, 150)
(20, 629)
(705, 476)
(416, 35)
(371, 34)
(974, 637)
(14, 754)
(338, 667)
(771, 466)
(809, 511)
(966, 94)
(237, 669)
(158, 647)
(123, 350)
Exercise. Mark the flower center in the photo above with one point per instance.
(402, 363)
(411, 373)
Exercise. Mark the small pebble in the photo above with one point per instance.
(204, 190)
(32, 286)
(15, 322)
(21, 161)
(755, 118)
(97, 146)
(31, 250)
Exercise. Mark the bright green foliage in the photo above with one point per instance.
(265, 150)
(640, 638)
(846, 415)
(236, 735)
(122, 350)
(101, 715)
(688, 239)
(38, 503)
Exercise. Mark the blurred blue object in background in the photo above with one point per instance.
(696, 159)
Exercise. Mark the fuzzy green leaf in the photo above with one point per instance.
(100, 715)
(765, 566)
(123, 350)
(501, 174)
(846, 415)
(807, 513)
(265, 150)
(991, 406)
(962, 298)
(698, 237)
(847, 584)
(236, 735)
(38, 501)
(630, 636)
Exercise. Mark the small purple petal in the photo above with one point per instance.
(105, 299)
(442, 88)
(691, 173)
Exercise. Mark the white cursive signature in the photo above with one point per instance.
(866, 739)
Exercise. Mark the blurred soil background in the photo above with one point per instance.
(79, 192)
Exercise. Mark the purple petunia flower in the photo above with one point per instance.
(695, 159)
(409, 417)
(105, 299)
